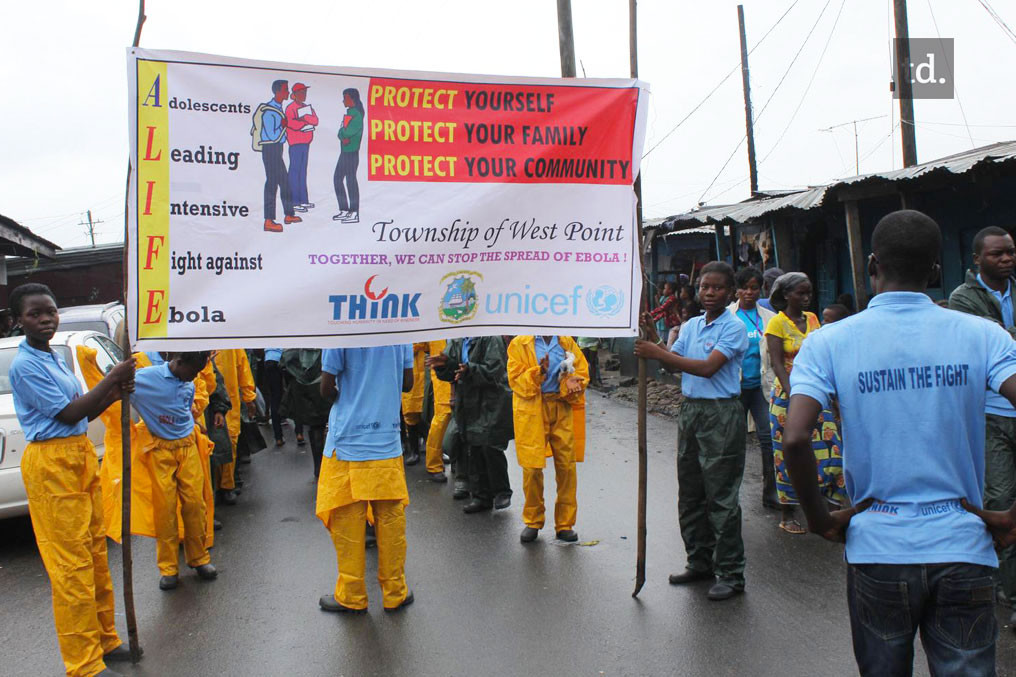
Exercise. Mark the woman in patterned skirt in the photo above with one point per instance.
(785, 333)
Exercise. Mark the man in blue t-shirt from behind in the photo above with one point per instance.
(911, 380)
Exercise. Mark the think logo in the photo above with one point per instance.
(374, 305)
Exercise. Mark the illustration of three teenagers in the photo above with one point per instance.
(275, 126)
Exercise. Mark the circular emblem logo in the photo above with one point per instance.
(604, 301)
(459, 301)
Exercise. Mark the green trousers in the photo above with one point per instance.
(710, 465)
(1000, 486)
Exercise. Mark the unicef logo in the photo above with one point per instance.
(604, 301)
(459, 301)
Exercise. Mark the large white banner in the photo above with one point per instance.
(299, 206)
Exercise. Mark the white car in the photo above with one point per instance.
(12, 439)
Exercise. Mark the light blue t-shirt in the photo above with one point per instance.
(364, 423)
(698, 340)
(995, 403)
(751, 365)
(910, 379)
(43, 386)
(552, 380)
(155, 357)
(273, 354)
(164, 402)
(767, 304)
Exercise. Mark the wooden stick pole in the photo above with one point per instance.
(125, 424)
(643, 384)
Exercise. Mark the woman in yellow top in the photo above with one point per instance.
(785, 334)
(60, 470)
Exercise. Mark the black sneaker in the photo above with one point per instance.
(169, 582)
(476, 505)
(725, 589)
(328, 603)
(567, 535)
(529, 535)
(690, 576)
(502, 501)
(461, 490)
(206, 572)
(438, 477)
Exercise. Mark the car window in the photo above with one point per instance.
(102, 356)
(84, 325)
(7, 356)
(111, 347)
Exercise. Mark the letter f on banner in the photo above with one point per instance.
(152, 186)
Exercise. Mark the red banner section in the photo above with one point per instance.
(435, 131)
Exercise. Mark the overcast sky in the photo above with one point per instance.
(64, 118)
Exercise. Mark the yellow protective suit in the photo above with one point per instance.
(412, 402)
(547, 424)
(178, 484)
(442, 412)
(143, 520)
(236, 374)
(204, 386)
(61, 479)
(346, 489)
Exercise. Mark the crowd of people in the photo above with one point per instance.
(921, 508)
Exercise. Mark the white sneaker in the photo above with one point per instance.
(340, 216)
(352, 217)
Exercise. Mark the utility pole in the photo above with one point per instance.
(904, 84)
(749, 121)
(91, 226)
(566, 38)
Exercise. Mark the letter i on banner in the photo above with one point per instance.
(153, 200)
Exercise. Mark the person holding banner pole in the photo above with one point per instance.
(362, 470)
(61, 474)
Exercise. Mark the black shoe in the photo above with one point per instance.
(1012, 621)
(206, 572)
(724, 589)
(476, 505)
(169, 582)
(438, 477)
(529, 535)
(690, 576)
(228, 496)
(121, 654)
(109, 673)
(461, 490)
(328, 603)
(412, 458)
(567, 535)
(216, 525)
(406, 602)
(502, 501)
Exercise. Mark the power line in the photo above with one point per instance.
(770, 99)
(804, 96)
(948, 65)
(1001, 23)
(720, 83)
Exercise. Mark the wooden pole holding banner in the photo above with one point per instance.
(566, 38)
(643, 453)
(125, 424)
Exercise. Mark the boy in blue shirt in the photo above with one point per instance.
(164, 397)
(362, 469)
(711, 434)
(910, 379)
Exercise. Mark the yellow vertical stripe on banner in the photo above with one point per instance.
(153, 199)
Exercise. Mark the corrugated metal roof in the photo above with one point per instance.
(811, 198)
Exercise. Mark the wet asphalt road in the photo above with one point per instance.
(485, 604)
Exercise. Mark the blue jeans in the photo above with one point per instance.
(953, 605)
(298, 154)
